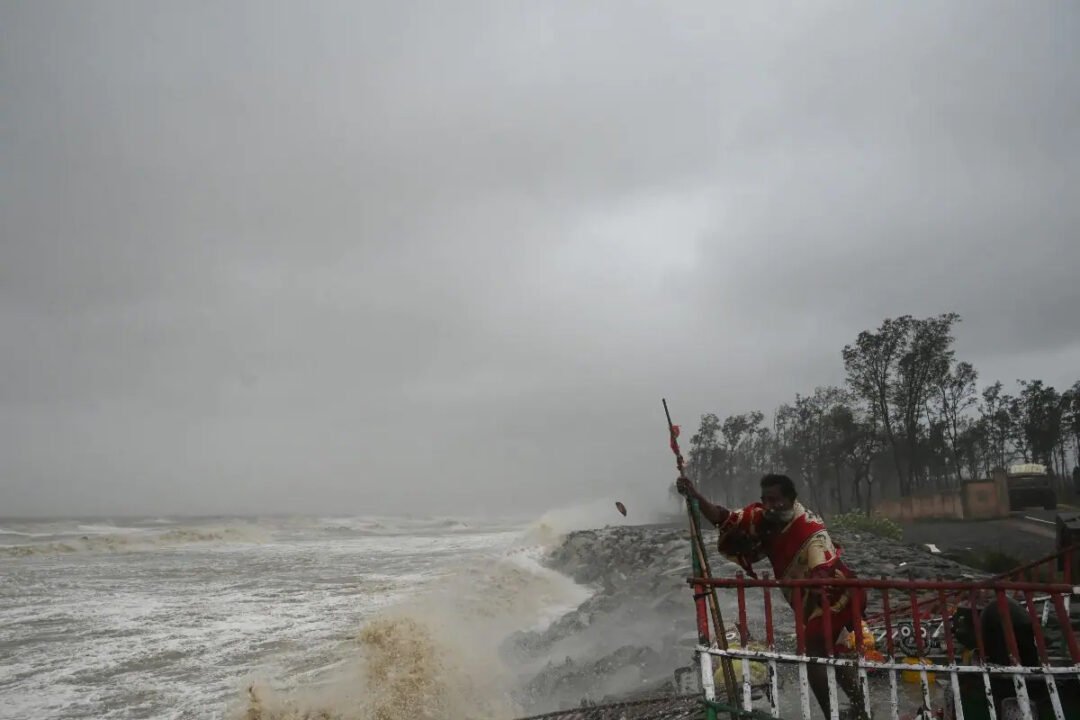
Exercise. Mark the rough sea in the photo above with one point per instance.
(219, 617)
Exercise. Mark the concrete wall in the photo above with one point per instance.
(975, 500)
(936, 506)
(985, 499)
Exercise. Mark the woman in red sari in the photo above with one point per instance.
(797, 544)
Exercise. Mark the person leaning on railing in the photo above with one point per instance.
(798, 545)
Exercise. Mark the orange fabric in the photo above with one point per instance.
(802, 549)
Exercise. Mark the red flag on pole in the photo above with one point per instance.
(675, 439)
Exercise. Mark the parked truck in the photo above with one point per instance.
(1030, 485)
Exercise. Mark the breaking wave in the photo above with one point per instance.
(383, 526)
(404, 671)
(436, 655)
(107, 539)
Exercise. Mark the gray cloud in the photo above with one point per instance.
(257, 258)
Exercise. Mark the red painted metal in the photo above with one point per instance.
(744, 631)
(826, 619)
(1010, 631)
(888, 621)
(930, 605)
(1042, 571)
(702, 614)
(769, 637)
(797, 607)
(856, 612)
(1036, 623)
(1048, 560)
(871, 583)
(980, 644)
(1066, 627)
(921, 649)
(946, 624)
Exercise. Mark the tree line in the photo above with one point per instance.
(910, 418)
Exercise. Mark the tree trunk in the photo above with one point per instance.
(839, 491)
(883, 406)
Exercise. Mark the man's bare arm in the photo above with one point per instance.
(715, 514)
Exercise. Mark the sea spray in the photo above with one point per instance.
(135, 541)
(401, 672)
(438, 653)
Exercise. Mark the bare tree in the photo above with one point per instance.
(955, 396)
(871, 364)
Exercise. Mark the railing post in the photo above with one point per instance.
(860, 653)
(770, 641)
(980, 646)
(744, 633)
(920, 649)
(890, 651)
(929, 605)
(1019, 683)
(800, 644)
(950, 654)
(825, 604)
(1044, 656)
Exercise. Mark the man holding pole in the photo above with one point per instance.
(798, 546)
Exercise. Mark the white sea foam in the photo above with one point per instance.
(178, 619)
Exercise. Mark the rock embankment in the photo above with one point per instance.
(626, 640)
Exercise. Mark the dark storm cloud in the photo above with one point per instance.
(262, 258)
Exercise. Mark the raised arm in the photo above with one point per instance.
(715, 514)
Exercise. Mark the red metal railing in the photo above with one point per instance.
(1051, 568)
(929, 602)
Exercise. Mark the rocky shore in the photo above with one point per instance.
(626, 640)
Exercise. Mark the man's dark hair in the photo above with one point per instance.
(783, 482)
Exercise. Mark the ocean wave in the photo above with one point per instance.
(403, 670)
(391, 526)
(20, 533)
(137, 541)
(438, 653)
(555, 524)
(96, 529)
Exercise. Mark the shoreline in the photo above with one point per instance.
(627, 639)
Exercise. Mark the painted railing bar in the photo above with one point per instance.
(770, 640)
(871, 583)
(708, 685)
(1019, 683)
(1064, 552)
(744, 632)
(924, 682)
(875, 620)
(825, 606)
(1044, 657)
(890, 651)
(763, 655)
(862, 680)
(800, 644)
(950, 653)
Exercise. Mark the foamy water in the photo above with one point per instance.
(178, 618)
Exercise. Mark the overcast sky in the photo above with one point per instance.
(447, 257)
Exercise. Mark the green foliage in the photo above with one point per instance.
(861, 522)
(909, 419)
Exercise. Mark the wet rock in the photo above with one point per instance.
(639, 626)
